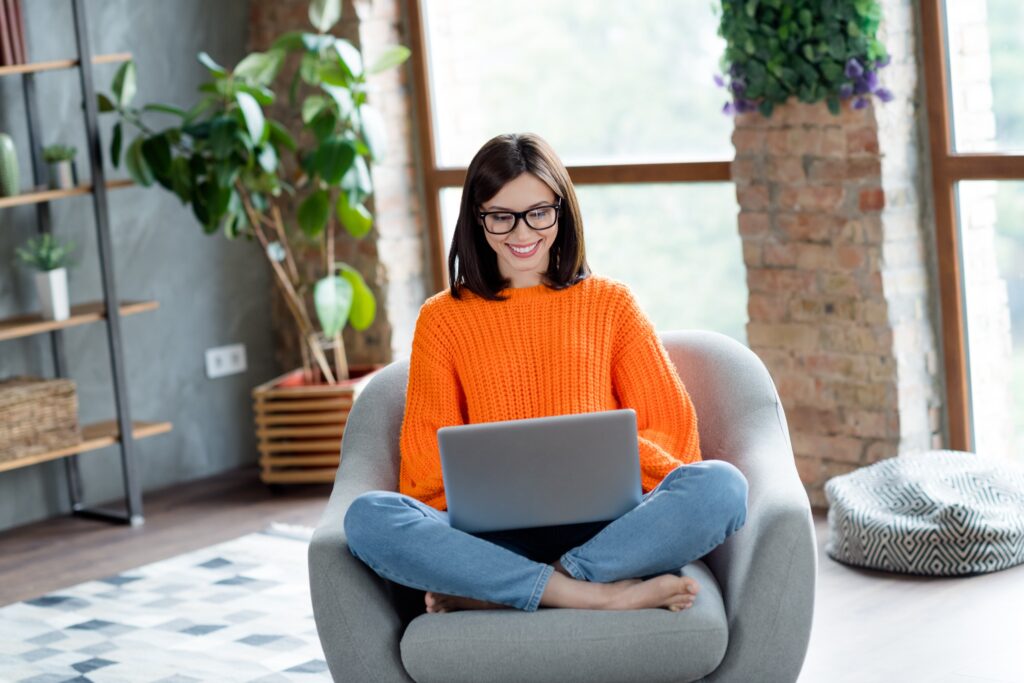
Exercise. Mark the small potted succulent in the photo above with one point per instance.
(50, 260)
(61, 159)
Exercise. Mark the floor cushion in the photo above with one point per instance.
(938, 513)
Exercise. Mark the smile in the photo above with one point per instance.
(524, 252)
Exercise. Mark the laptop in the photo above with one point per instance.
(545, 471)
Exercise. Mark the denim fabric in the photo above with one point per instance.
(693, 510)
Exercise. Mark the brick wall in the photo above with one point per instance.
(838, 261)
(390, 257)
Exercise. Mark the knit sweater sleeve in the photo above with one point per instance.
(434, 399)
(645, 380)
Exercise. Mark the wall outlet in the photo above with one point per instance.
(225, 360)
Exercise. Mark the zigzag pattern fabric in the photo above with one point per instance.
(938, 513)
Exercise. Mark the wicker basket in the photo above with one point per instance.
(299, 427)
(36, 416)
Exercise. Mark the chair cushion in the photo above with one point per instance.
(566, 645)
(940, 513)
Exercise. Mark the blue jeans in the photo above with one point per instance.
(693, 510)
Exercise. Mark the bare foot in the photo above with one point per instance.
(438, 603)
(669, 591)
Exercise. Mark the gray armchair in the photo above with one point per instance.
(751, 622)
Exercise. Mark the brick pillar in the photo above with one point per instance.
(390, 257)
(839, 271)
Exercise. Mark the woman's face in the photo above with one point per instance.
(522, 253)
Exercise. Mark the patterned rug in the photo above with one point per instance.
(236, 611)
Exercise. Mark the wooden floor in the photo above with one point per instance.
(868, 627)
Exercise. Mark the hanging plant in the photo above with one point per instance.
(809, 49)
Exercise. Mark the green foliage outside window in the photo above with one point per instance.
(809, 49)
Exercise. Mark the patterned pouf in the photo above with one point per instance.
(940, 513)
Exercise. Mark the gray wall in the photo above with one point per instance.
(211, 291)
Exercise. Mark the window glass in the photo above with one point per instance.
(992, 239)
(603, 82)
(985, 41)
(685, 267)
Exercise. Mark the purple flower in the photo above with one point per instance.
(853, 68)
(884, 61)
(860, 86)
(884, 94)
(734, 71)
(738, 86)
(860, 103)
(719, 81)
(728, 109)
(871, 80)
(845, 90)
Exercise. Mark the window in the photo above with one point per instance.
(972, 74)
(625, 94)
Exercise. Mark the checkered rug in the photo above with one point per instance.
(237, 611)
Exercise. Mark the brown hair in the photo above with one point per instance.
(472, 263)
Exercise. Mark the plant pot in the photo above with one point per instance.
(299, 426)
(63, 175)
(52, 289)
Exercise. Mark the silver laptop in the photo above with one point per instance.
(542, 471)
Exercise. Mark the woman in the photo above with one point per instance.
(527, 331)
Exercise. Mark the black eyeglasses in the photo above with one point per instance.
(537, 218)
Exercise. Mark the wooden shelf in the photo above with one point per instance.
(81, 314)
(39, 196)
(94, 437)
(57, 64)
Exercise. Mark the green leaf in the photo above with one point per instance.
(391, 57)
(103, 103)
(323, 124)
(261, 67)
(115, 145)
(342, 97)
(312, 106)
(124, 85)
(324, 14)
(355, 218)
(833, 105)
(334, 158)
(268, 158)
(157, 152)
(349, 57)
(374, 131)
(766, 108)
(288, 41)
(254, 119)
(165, 109)
(333, 298)
(264, 96)
(358, 178)
(136, 164)
(313, 213)
(222, 136)
(216, 69)
(181, 179)
(309, 69)
(364, 305)
(280, 136)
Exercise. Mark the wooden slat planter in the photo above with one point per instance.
(299, 428)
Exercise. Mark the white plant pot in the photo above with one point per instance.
(52, 287)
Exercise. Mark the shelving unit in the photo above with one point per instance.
(109, 310)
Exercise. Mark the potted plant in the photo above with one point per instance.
(61, 159)
(50, 260)
(242, 172)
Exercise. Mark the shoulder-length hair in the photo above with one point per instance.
(472, 262)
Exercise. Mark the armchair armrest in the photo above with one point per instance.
(356, 616)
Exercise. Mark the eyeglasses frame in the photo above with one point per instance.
(521, 216)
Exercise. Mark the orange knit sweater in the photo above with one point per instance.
(542, 352)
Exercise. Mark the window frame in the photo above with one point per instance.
(435, 178)
(949, 168)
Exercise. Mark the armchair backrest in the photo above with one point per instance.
(727, 382)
